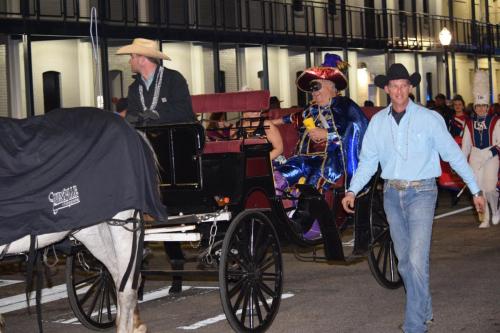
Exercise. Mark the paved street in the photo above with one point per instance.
(465, 282)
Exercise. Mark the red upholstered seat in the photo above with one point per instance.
(229, 146)
(231, 102)
(369, 111)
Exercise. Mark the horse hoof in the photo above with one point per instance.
(141, 329)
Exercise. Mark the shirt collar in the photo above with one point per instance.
(409, 107)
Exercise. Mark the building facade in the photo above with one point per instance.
(49, 57)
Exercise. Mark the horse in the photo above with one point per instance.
(111, 245)
(76, 172)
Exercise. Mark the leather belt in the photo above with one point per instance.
(404, 184)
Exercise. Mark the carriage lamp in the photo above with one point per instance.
(222, 201)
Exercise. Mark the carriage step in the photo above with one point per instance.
(183, 228)
(173, 237)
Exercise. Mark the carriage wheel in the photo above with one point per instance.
(251, 273)
(382, 258)
(91, 291)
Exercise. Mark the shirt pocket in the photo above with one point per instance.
(419, 142)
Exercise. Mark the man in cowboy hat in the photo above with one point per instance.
(407, 139)
(158, 94)
(330, 131)
(480, 143)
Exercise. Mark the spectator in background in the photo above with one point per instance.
(496, 109)
(430, 104)
(368, 103)
(274, 103)
(218, 128)
(442, 108)
(469, 109)
(122, 106)
(456, 124)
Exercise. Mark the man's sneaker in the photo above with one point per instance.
(495, 219)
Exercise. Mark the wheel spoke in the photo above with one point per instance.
(262, 250)
(263, 299)
(392, 262)
(104, 287)
(84, 282)
(240, 297)
(256, 305)
(256, 239)
(90, 291)
(94, 302)
(268, 263)
(244, 307)
(108, 302)
(266, 289)
(238, 261)
(237, 287)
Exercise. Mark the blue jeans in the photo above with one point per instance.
(410, 213)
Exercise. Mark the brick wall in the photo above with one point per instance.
(227, 59)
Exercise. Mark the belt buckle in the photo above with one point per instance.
(400, 185)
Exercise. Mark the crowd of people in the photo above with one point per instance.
(338, 144)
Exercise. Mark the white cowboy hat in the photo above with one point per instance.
(144, 47)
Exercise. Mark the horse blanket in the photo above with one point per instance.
(70, 169)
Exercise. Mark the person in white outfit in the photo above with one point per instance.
(480, 144)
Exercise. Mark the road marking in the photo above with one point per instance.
(4, 283)
(220, 317)
(453, 212)
(148, 296)
(18, 302)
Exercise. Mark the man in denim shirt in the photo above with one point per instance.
(407, 140)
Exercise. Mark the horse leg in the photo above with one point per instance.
(117, 243)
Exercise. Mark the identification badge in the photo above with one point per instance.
(164, 100)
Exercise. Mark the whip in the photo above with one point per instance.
(95, 55)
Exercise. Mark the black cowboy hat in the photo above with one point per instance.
(397, 72)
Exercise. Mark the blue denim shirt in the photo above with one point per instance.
(410, 150)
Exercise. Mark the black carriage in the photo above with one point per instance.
(222, 194)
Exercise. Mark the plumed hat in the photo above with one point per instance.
(396, 72)
(330, 70)
(144, 47)
(480, 88)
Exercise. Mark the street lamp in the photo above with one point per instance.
(445, 40)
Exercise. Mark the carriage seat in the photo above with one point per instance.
(230, 146)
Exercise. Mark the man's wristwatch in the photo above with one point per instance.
(478, 194)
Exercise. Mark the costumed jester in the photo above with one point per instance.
(480, 143)
(330, 131)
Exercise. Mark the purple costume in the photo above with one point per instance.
(325, 163)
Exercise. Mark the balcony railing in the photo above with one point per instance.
(322, 24)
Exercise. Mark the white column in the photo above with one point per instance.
(86, 74)
(15, 72)
(197, 70)
(284, 78)
(353, 76)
